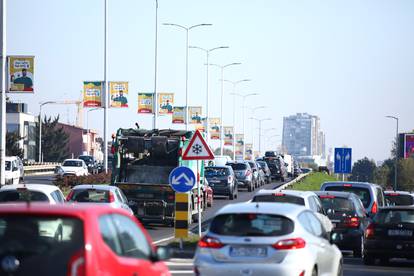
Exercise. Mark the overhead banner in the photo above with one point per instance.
(118, 91)
(92, 93)
(195, 114)
(178, 116)
(20, 73)
(239, 144)
(249, 151)
(166, 102)
(409, 145)
(228, 135)
(214, 128)
(145, 103)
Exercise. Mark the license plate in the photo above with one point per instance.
(248, 252)
(398, 232)
(215, 181)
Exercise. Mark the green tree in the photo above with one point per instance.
(363, 170)
(12, 144)
(382, 176)
(406, 174)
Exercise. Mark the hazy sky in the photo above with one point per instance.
(350, 62)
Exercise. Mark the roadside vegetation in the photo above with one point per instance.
(312, 182)
(67, 182)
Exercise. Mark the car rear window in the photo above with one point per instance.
(216, 171)
(72, 164)
(399, 199)
(239, 166)
(394, 216)
(22, 195)
(45, 244)
(90, 195)
(253, 225)
(337, 204)
(362, 193)
(253, 165)
(279, 198)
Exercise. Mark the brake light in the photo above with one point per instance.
(77, 265)
(326, 196)
(170, 197)
(209, 242)
(374, 208)
(111, 197)
(352, 222)
(370, 231)
(289, 244)
(279, 194)
(68, 198)
(347, 185)
(393, 194)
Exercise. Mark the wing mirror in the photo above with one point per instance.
(162, 253)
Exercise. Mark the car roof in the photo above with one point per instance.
(31, 187)
(302, 194)
(285, 209)
(72, 160)
(219, 167)
(94, 186)
(10, 158)
(397, 192)
(353, 183)
(334, 193)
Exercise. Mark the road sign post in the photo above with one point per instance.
(343, 161)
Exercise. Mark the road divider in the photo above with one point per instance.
(37, 169)
(290, 183)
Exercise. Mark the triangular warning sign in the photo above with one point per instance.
(198, 149)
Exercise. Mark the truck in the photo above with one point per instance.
(289, 164)
(141, 165)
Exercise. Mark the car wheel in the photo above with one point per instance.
(314, 271)
(368, 260)
(359, 251)
(249, 189)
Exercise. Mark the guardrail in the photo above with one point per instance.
(40, 168)
(290, 183)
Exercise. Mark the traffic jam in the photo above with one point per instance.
(171, 178)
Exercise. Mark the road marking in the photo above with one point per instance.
(178, 264)
(163, 240)
(181, 272)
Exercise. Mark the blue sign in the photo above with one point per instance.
(182, 179)
(343, 160)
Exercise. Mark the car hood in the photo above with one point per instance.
(71, 169)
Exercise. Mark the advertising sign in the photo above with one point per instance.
(92, 93)
(239, 145)
(20, 73)
(166, 102)
(409, 145)
(145, 103)
(249, 151)
(118, 91)
(178, 116)
(228, 135)
(214, 128)
(195, 114)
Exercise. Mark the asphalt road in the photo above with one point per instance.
(39, 179)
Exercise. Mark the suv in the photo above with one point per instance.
(90, 162)
(222, 180)
(347, 214)
(371, 195)
(399, 198)
(244, 174)
(12, 170)
(277, 167)
(267, 173)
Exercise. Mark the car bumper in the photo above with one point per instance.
(391, 248)
(225, 191)
(347, 240)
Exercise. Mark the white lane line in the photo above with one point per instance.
(178, 264)
(181, 272)
(163, 240)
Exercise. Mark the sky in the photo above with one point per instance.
(349, 62)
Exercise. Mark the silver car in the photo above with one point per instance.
(101, 194)
(266, 239)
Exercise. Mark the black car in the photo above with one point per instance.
(244, 174)
(277, 167)
(222, 180)
(266, 170)
(349, 219)
(399, 198)
(390, 235)
(90, 162)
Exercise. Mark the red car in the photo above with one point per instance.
(40, 239)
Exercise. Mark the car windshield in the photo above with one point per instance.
(216, 171)
(337, 204)
(262, 164)
(387, 216)
(8, 165)
(239, 166)
(72, 163)
(87, 159)
(254, 225)
(279, 198)
(22, 195)
(253, 165)
(399, 199)
(90, 195)
(45, 244)
(362, 193)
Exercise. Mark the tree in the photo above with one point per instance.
(363, 170)
(12, 144)
(382, 176)
(406, 174)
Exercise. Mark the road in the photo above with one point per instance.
(39, 179)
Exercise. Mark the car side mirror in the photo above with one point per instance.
(330, 211)
(333, 237)
(161, 254)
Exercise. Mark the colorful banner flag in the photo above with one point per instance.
(166, 102)
(228, 135)
(20, 73)
(249, 151)
(145, 103)
(178, 116)
(92, 93)
(214, 128)
(118, 91)
(239, 145)
(195, 115)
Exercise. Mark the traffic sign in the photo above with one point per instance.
(182, 179)
(343, 160)
(198, 149)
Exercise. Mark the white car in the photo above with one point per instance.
(266, 239)
(31, 192)
(73, 167)
(12, 170)
(307, 199)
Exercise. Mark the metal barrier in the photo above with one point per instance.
(40, 168)
(290, 183)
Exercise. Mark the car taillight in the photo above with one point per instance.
(77, 264)
(278, 194)
(393, 194)
(347, 185)
(369, 232)
(352, 222)
(326, 196)
(68, 198)
(288, 244)
(170, 197)
(374, 208)
(302, 273)
(209, 242)
(111, 197)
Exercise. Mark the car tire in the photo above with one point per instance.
(249, 188)
(368, 260)
(358, 252)
(314, 271)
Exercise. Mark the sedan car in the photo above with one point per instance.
(243, 173)
(72, 167)
(222, 180)
(102, 194)
(90, 240)
(399, 198)
(266, 239)
(31, 192)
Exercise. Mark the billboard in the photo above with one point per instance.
(145, 103)
(20, 73)
(195, 114)
(166, 102)
(239, 145)
(409, 145)
(214, 124)
(228, 135)
(178, 116)
(249, 151)
(92, 93)
(118, 91)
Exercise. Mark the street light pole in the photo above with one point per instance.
(396, 152)
(106, 100)
(187, 29)
(154, 122)
(3, 29)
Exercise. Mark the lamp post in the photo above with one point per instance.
(253, 110)
(221, 102)
(273, 136)
(208, 51)
(40, 159)
(260, 130)
(187, 30)
(154, 122)
(396, 153)
(3, 29)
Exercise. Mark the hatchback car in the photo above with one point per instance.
(72, 167)
(39, 239)
(390, 235)
(348, 216)
(102, 194)
(399, 198)
(222, 180)
(371, 195)
(12, 171)
(31, 192)
(256, 176)
(266, 239)
(244, 174)
(266, 170)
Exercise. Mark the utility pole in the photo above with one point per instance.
(3, 91)
(105, 90)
